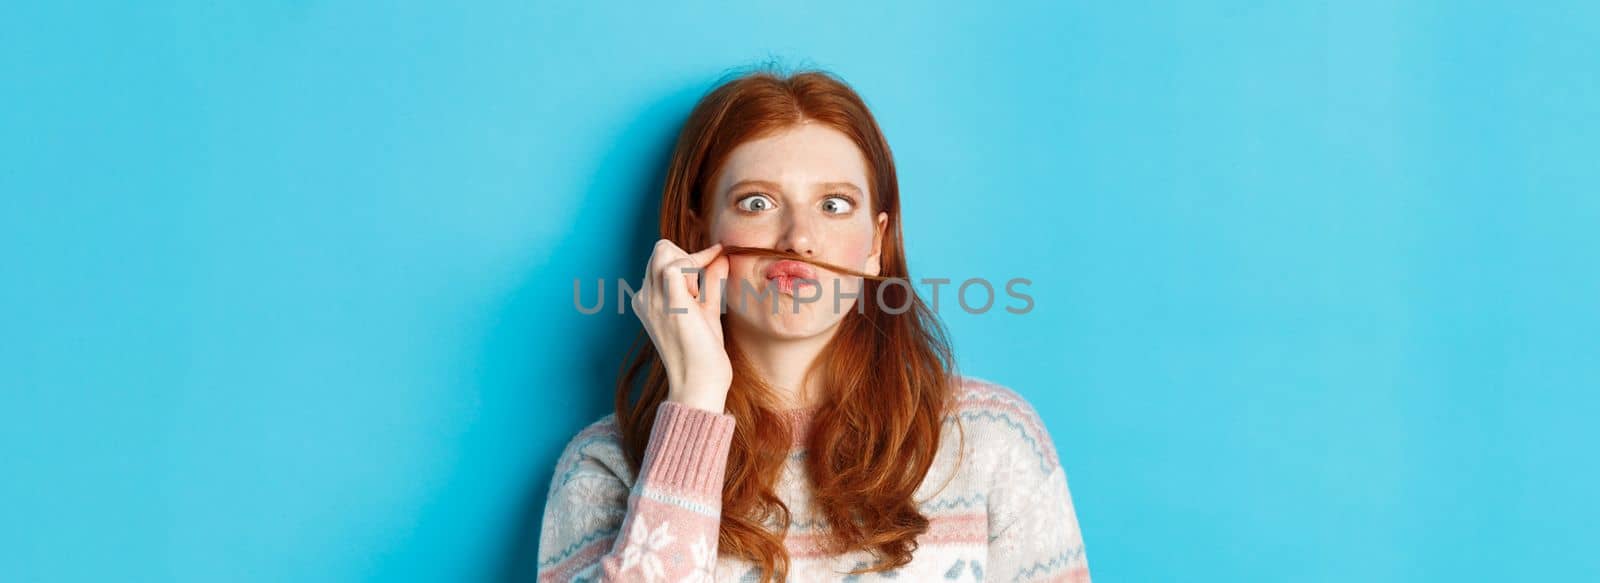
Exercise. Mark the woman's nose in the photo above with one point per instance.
(799, 236)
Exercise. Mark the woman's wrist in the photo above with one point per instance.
(703, 399)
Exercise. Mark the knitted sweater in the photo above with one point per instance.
(1003, 514)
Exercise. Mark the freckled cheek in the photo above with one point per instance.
(849, 246)
(747, 235)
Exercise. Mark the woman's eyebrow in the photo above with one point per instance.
(837, 186)
(768, 186)
(772, 187)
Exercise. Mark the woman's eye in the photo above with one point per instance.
(837, 205)
(756, 204)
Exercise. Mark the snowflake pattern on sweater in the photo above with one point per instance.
(1003, 513)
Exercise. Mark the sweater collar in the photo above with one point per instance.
(800, 421)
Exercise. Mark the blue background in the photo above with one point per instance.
(287, 286)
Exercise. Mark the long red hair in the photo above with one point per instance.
(887, 377)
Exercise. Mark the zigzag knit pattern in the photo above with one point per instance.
(998, 504)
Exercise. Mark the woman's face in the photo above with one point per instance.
(803, 190)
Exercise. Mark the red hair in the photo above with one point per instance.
(887, 377)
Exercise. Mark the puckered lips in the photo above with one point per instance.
(788, 273)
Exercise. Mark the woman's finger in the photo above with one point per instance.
(641, 299)
(698, 261)
(704, 256)
(715, 286)
(674, 281)
(664, 252)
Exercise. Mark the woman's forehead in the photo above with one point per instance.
(806, 156)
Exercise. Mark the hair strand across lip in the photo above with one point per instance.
(763, 251)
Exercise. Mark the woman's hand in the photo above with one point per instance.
(685, 322)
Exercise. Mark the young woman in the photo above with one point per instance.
(798, 416)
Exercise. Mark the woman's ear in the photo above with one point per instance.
(875, 260)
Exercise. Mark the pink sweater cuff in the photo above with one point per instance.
(688, 450)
